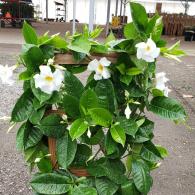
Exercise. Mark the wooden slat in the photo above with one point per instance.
(68, 58)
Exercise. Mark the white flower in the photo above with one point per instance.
(127, 112)
(50, 62)
(101, 68)
(166, 91)
(47, 81)
(6, 74)
(147, 51)
(161, 80)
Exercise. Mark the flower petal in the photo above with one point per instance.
(106, 73)
(92, 66)
(97, 77)
(105, 62)
(45, 70)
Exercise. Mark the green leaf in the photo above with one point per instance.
(41, 96)
(134, 71)
(58, 42)
(167, 108)
(83, 153)
(118, 134)
(50, 183)
(110, 144)
(157, 92)
(83, 190)
(150, 153)
(27, 136)
(126, 79)
(80, 44)
(71, 106)
(139, 16)
(141, 176)
(105, 186)
(130, 31)
(106, 95)
(157, 31)
(145, 132)
(66, 150)
(45, 165)
(163, 152)
(29, 34)
(72, 85)
(88, 100)
(103, 167)
(37, 115)
(128, 188)
(26, 75)
(23, 107)
(128, 125)
(101, 116)
(78, 128)
(51, 126)
(110, 38)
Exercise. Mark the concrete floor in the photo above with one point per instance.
(176, 176)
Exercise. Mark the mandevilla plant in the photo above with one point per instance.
(100, 128)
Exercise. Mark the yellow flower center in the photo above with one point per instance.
(148, 48)
(100, 67)
(49, 78)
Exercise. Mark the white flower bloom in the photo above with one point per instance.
(47, 81)
(128, 112)
(166, 91)
(101, 68)
(147, 51)
(6, 74)
(161, 80)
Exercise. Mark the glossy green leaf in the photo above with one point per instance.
(83, 190)
(145, 132)
(110, 144)
(51, 126)
(41, 96)
(104, 167)
(71, 106)
(50, 183)
(83, 153)
(163, 152)
(167, 108)
(106, 95)
(128, 188)
(105, 186)
(37, 115)
(130, 31)
(27, 136)
(134, 71)
(78, 128)
(139, 16)
(141, 176)
(101, 116)
(72, 85)
(80, 44)
(118, 134)
(129, 125)
(45, 165)
(88, 100)
(29, 34)
(66, 150)
(150, 153)
(23, 107)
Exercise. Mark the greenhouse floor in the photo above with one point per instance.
(176, 175)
